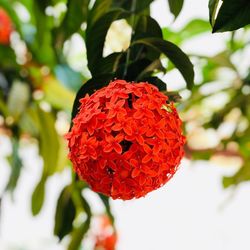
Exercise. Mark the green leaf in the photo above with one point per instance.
(232, 15)
(127, 4)
(175, 55)
(7, 57)
(79, 232)
(212, 5)
(48, 141)
(53, 89)
(89, 88)
(65, 213)
(241, 176)
(175, 6)
(75, 16)
(18, 99)
(98, 10)
(96, 35)
(162, 86)
(108, 64)
(38, 195)
(16, 165)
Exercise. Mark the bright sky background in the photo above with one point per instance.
(191, 212)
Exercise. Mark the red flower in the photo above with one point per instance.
(5, 27)
(126, 140)
(105, 238)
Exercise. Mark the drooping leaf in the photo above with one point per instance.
(79, 232)
(38, 195)
(88, 88)
(175, 54)
(232, 15)
(96, 34)
(175, 7)
(16, 165)
(65, 213)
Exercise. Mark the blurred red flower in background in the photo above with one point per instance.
(126, 140)
(106, 237)
(5, 27)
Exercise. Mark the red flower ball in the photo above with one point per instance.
(5, 27)
(126, 140)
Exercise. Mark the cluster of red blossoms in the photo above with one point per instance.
(126, 140)
(5, 27)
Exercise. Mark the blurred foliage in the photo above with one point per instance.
(39, 83)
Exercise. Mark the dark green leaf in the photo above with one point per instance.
(7, 57)
(37, 199)
(175, 6)
(127, 4)
(175, 54)
(96, 34)
(75, 16)
(98, 10)
(16, 165)
(162, 86)
(232, 15)
(212, 5)
(65, 213)
(89, 88)
(108, 64)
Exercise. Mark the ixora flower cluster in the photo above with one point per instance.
(126, 140)
(5, 27)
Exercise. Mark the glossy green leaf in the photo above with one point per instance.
(162, 86)
(175, 54)
(213, 5)
(65, 213)
(38, 196)
(175, 6)
(232, 15)
(96, 34)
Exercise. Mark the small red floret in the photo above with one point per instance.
(126, 141)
